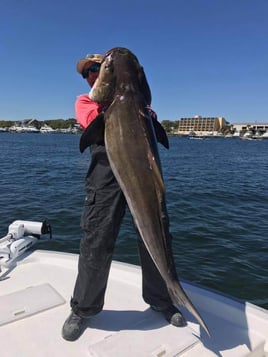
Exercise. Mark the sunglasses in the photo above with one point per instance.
(93, 69)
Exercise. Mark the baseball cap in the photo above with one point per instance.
(93, 58)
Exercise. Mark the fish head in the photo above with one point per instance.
(120, 70)
(103, 89)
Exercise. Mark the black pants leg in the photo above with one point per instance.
(101, 219)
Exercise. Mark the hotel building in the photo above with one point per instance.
(201, 126)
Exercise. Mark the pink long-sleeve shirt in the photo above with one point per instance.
(86, 110)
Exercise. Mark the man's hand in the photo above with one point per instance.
(151, 112)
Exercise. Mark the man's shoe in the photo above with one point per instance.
(172, 315)
(73, 327)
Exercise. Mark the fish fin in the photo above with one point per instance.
(160, 134)
(179, 297)
(94, 133)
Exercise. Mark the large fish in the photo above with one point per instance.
(130, 137)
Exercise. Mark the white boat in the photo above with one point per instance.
(70, 130)
(264, 136)
(46, 129)
(29, 129)
(197, 137)
(232, 136)
(24, 128)
(15, 128)
(247, 136)
(34, 303)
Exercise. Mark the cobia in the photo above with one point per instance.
(130, 137)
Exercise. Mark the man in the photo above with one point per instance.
(101, 219)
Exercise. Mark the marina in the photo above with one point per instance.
(46, 129)
(192, 128)
(33, 127)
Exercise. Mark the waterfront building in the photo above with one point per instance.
(201, 126)
(254, 128)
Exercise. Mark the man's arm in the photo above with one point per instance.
(86, 110)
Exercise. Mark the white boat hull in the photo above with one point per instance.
(31, 318)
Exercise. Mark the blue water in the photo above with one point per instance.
(217, 197)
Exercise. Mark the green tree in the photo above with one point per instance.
(6, 123)
(168, 125)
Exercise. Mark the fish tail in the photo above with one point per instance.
(179, 297)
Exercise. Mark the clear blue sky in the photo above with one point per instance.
(207, 57)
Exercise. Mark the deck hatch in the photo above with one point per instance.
(28, 302)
